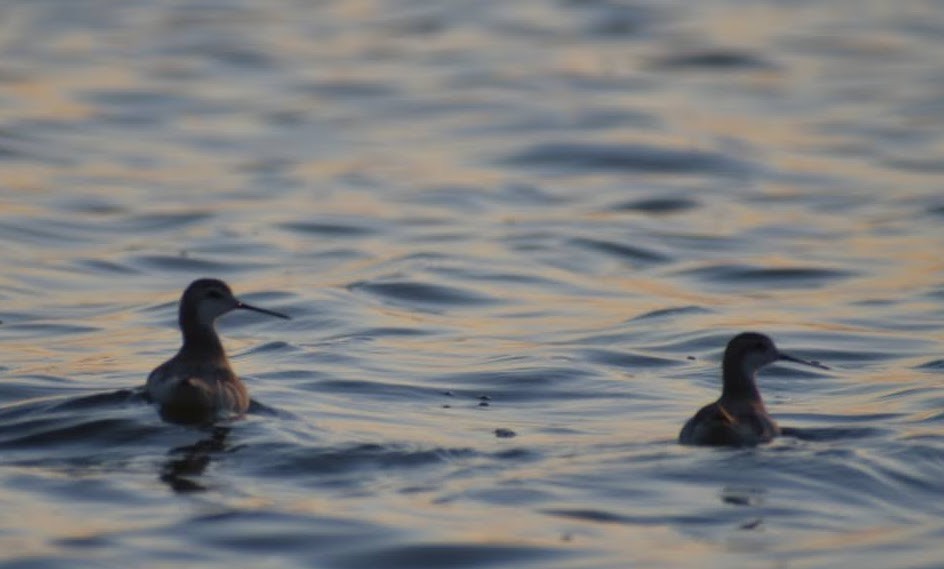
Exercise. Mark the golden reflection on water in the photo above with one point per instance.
(44, 98)
(58, 523)
(176, 166)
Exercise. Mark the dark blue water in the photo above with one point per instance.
(514, 238)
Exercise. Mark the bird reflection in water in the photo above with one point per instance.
(187, 463)
(745, 496)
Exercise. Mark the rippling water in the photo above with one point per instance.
(514, 238)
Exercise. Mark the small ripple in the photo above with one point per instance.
(69, 231)
(537, 120)
(134, 97)
(272, 532)
(602, 516)
(619, 20)
(98, 400)
(627, 360)
(714, 60)
(443, 555)
(465, 198)
(787, 277)
(658, 205)
(628, 157)
(599, 516)
(55, 420)
(17, 142)
(485, 275)
(60, 431)
(36, 231)
(171, 221)
(285, 460)
(238, 56)
(932, 366)
(526, 385)
(921, 393)
(423, 294)
(383, 332)
(333, 228)
(44, 329)
(621, 250)
(829, 434)
(347, 89)
(843, 419)
(91, 205)
(665, 313)
(140, 107)
(186, 264)
(101, 267)
(510, 495)
(930, 165)
(376, 389)
(7, 152)
(686, 343)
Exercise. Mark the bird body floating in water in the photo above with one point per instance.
(198, 385)
(738, 417)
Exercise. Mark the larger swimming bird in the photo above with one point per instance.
(738, 417)
(198, 385)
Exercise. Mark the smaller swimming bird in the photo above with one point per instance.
(738, 417)
(198, 385)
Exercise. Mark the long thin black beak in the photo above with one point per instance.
(790, 358)
(244, 306)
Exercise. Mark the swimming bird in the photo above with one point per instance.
(198, 385)
(738, 417)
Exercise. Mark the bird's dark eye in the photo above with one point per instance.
(760, 346)
(214, 294)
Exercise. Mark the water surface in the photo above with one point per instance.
(514, 238)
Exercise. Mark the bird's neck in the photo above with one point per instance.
(200, 339)
(738, 380)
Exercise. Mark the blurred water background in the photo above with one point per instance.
(514, 238)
